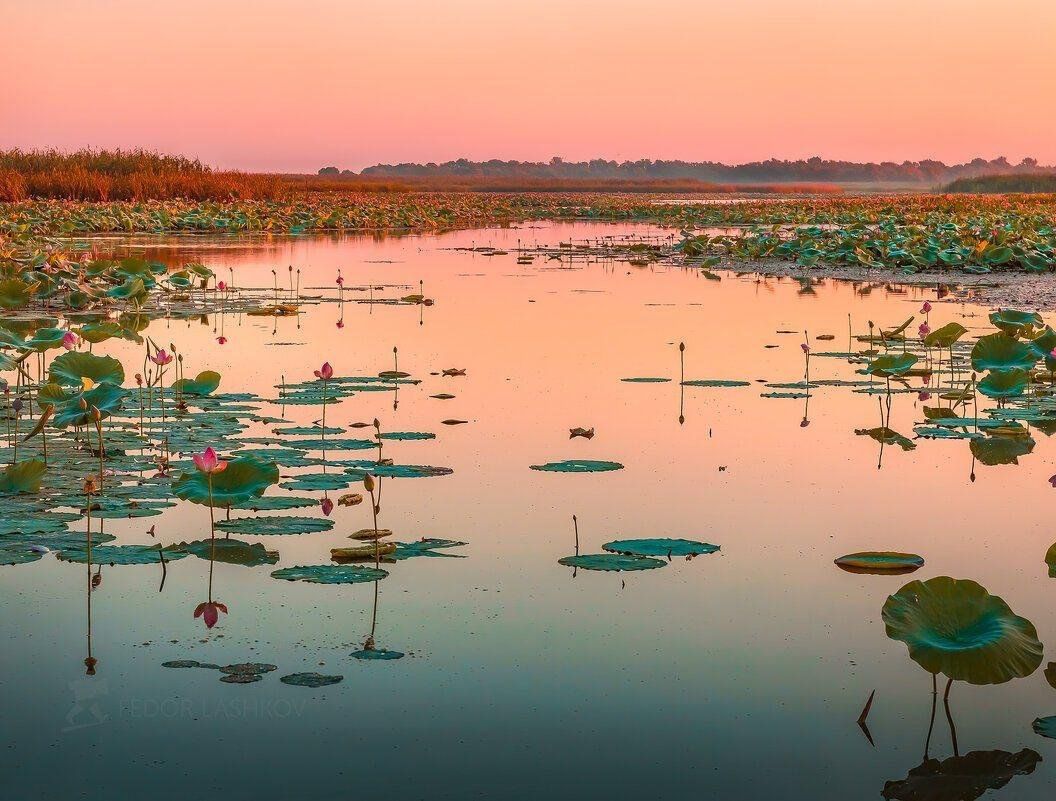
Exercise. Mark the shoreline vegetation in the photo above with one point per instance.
(905, 232)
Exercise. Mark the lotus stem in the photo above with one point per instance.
(575, 526)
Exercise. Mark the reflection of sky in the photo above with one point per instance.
(736, 676)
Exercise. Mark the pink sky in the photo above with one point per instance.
(270, 85)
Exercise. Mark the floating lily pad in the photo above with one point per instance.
(360, 469)
(955, 627)
(425, 547)
(715, 382)
(231, 552)
(331, 574)
(578, 466)
(248, 668)
(645, 380)
(1046, 727)
(276, 503)
(381, 654)
(880, 562)
(190, 663)
(406, 436)
(275, 524)
(317, 482)
(313, 680)
(660, 547)
(121, 554)
(611, 561)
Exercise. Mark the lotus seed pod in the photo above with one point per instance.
(368, 482)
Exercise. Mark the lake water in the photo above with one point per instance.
(737, 675)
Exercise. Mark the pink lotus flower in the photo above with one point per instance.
(208, 462)
(923, 396)
(222, 340)
(327, 505)
(161, 358)
(326, 372)
(70, 340)
(221, 285)
(925, 308)
(924, 329)
(1052, 353)
(340, 323)
(210, 611)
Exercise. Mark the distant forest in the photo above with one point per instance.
(815, 170)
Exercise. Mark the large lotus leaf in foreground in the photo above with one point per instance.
(70, 368)
(1004, 383)
(1015, 322)
(25, 476)
(955, 627)
(1002, 352)
(244, 478)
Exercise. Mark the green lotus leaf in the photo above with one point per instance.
(9, 339)
(313, 680)
(945, 337)
(645, 380)
(1050, 560)
(961, 778)
(714, 382)
(103, 330)
(121, 554)
(331, 574)
(133, 290)
(1004, 383)
(1046, 727)
(1044, 343)
(660, 547)
(406, 436)
(892, 364)
(276, 503)
(332, 444)
(205, 383)
(317, 482)
(45, 339)
(361, 468)
(379, 654)
(1002, 352)
(425, 547)
(105, 397)
(880, 562)
(955, 627)
(15, 293)
(993, 451)
(69, 368)
(23, 477)
(275, 524)
(231, 552)
(244, 478)
(578, 466)
(1015, 323)
(611, 561)
(248, 668)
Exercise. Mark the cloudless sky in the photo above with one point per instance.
(277, 85)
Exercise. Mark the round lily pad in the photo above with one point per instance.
(243, 668)
(578, 466)
(955, 627)
(310, 679)
(1046, 727)
(611, 561)
(121, 554)
(880, 562)
(331, 574)
(660, 547)
(381, 654)
(275, 524)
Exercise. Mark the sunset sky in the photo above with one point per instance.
(277, 85)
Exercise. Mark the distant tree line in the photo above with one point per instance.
(814, 170)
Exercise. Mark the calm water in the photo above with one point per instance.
(737, 675)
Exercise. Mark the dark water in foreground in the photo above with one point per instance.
(738, 675)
